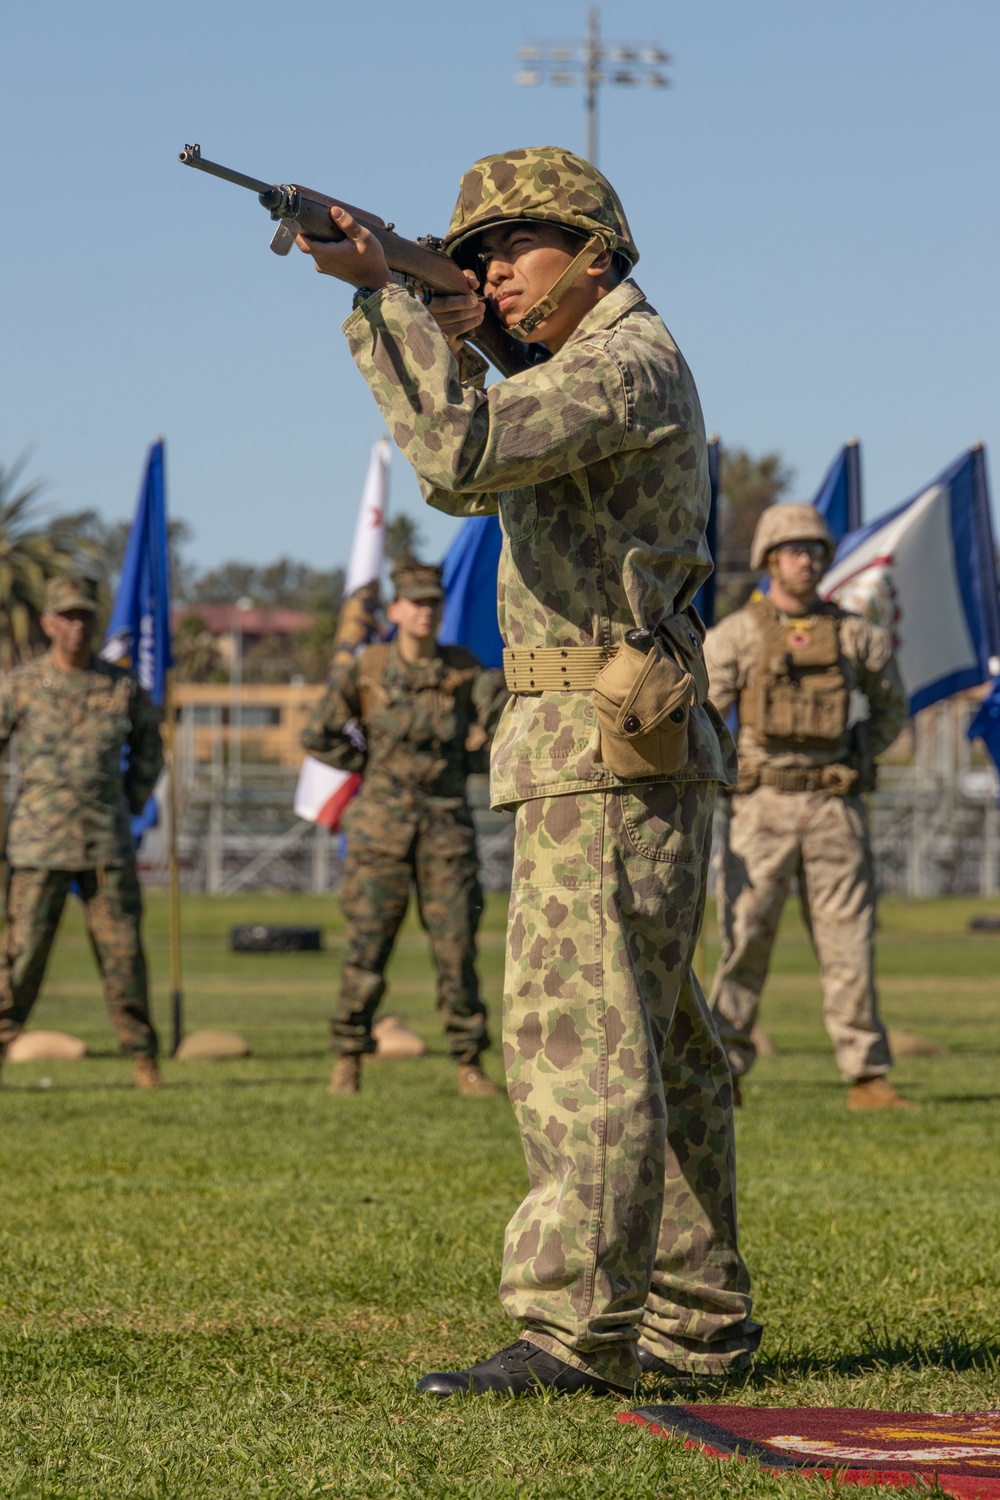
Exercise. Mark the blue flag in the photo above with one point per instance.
(138, 636)
(470, 585)
(838, 499)
(927, 572)
(986, 724)
(704, 599)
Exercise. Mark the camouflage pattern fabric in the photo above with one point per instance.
(113, 907)
(544, 183)
(732, 651)
(410, 825)
(441, 862)
(773, 836)
(415, 718)
(621, 1089)
(73, 803)
(597, 464)
(823, 840)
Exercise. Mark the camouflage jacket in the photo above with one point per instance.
(597, 465)
(419, 722)
(733, 649)
(74, 800)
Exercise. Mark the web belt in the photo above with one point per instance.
(836, 780)
(560, 669)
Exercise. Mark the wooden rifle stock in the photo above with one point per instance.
(302, 210)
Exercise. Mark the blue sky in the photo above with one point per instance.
(815, 201)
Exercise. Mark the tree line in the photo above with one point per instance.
(35, 546)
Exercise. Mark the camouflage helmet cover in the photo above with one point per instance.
(542, 184)
(793, 521)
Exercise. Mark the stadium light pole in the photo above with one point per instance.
(596, 64)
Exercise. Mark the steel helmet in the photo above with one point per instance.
(541, 184)
(792, 521)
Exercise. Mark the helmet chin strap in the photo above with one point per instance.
(548, 304)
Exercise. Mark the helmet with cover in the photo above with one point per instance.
(541, 184)
(792, 521)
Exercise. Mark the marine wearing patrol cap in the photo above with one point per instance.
(67, 592)
(418, 582)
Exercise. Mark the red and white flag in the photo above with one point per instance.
(323, 793)
(368, 550)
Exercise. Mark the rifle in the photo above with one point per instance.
(420, 264)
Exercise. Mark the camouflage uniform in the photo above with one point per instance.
(596, 463)
(70, 821)
(409, 825)
(786, 823)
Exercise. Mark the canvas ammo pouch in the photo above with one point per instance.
(643, 700)
(798, 694)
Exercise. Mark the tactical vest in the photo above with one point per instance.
(797, 695)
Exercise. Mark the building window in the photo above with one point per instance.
(260, 716)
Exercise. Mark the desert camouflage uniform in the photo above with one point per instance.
(596, 463)
(409, 825)
(820, 838)
(71, 821)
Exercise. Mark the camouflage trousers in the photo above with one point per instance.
(620, 1088)
(773, 836)
(438, 857)
(113, 912)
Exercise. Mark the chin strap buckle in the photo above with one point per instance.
(548, 304)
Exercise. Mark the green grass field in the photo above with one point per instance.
(229, 1287)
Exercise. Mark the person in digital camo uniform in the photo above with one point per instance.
(800, 671)
(424, 709)
(623, 1256)
(72, 714)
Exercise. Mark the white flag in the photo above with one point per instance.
(369, 533)
(927, 572)
(323, 793)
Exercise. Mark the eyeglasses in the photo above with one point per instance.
(815, 551)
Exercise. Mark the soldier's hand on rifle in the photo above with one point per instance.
(457, 316)
(357, 259)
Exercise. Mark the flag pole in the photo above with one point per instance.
(701, 948)
(176, 993)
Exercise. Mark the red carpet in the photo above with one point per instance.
(961, 1450)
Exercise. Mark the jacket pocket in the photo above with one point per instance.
(518, 512)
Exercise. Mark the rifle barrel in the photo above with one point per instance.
(191, 157)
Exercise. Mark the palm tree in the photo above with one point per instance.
(28, 556)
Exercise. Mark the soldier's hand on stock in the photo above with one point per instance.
(357, 259)
(459, 315)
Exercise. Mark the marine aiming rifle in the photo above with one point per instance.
(419, 264)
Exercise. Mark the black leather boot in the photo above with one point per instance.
(521, 1370)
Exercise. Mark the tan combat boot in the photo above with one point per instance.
(876, 1093)
(473, 1082)
(145, 1073)
(346, 1075)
